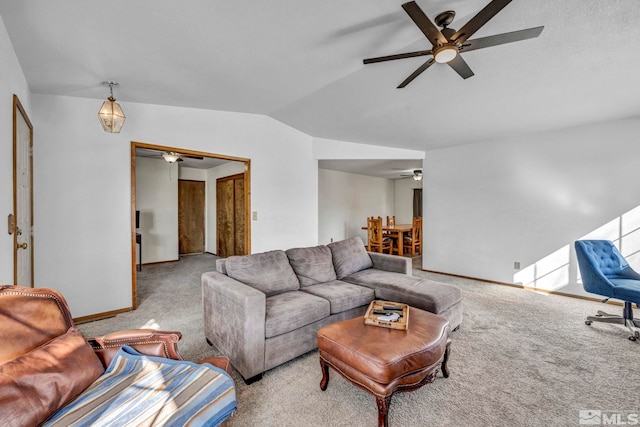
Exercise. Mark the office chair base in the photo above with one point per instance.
(626, 320)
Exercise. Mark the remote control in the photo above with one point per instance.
(392, 307)
(385, 312)
(390, 318)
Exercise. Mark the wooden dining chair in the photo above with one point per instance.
(377, 242)
(413, 242)
(391, 221)
(393, 235)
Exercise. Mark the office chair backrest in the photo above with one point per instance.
(599, 261)
(603, 255)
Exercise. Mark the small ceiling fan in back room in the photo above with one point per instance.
(416, 174)
(448, 44)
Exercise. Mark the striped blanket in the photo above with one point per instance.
(138, 390)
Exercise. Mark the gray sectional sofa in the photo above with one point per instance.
(265, 309)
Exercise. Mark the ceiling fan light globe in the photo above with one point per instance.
(445, 54)
(171, 157)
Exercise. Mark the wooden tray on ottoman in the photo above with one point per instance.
(372, 319)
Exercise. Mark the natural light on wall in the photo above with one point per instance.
(549, 273)
(554, 271)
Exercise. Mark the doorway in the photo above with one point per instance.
(243, 165)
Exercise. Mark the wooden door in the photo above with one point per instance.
(191, 216)
(22, 196)
(230, 210)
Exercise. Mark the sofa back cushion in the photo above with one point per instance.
(38, 383)
(268, 272)
(349, 256)
(312, 265)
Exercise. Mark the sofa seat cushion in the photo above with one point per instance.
(35, 385)
(425, 294)
(289, 311)
(374, 278)
(268, 272)
(342, 295)
(349, 256)
(312, 265)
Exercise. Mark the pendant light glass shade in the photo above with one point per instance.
(110, 115)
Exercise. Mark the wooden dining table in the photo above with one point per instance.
(398, 232)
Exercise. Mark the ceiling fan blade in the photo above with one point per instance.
(398, 56)
(427, 27)
(514, 36)
(189, 156)
(461, 67)
(416, 73)
(479, 20)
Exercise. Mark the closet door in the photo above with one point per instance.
(191, 216)
(230, 206)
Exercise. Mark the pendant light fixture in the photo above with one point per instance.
(111, 116)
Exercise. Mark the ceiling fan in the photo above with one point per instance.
(417, 175)
(172, 157)
(448, 43)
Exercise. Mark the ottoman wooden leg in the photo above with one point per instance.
(445, 359)
(383, 410)
(325, 374)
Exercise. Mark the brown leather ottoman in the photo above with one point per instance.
(381, 360)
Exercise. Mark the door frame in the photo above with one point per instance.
(19, 109)
(247, 195)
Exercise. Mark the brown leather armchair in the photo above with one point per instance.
(32, 318)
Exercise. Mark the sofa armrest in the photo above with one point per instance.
(146, 341)
(392, 263)
(234, 321)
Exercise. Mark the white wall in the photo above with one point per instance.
(12, 81)
(191, 174)
(346, 200)
(84, 248)
(157, 201)
(227, 169)
(528, 199)
(403, 199)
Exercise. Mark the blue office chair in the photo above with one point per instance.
(605, 272)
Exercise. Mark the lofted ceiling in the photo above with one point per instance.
(300, 62)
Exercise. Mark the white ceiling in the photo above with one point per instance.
(300, 61)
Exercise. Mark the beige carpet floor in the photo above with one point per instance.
(519, 359)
